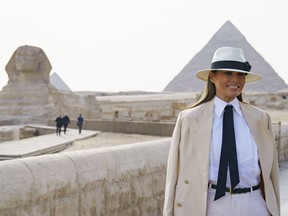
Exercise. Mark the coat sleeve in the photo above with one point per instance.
(275, 166)
(172, 169)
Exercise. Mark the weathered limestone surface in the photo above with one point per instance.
(117, 181)
(28, 64)
(281, 136)
(16, 132)
(166, 107)
(160, 107)
(29, 97)
(9, 133)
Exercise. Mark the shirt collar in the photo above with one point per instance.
(219, 106)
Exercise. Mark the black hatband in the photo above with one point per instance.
(231, 65)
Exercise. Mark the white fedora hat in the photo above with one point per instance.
(229, 59)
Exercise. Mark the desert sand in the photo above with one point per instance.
(105, 139)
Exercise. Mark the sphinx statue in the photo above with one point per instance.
(28, 94)
(29, 97)
(28, 65)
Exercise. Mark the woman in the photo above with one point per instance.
(251, 182)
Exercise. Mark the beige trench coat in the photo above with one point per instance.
(188, 162)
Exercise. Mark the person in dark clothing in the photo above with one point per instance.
(80, 121)
(59, 123)
(66, 122)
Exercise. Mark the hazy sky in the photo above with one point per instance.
(126, 45)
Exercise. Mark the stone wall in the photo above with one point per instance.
(150, 107)
(131, 127)
(116, 181)
(281, 136)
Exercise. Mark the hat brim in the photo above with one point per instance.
(250, 77)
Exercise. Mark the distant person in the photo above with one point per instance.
(59, 123)
(80, 122)
(66, 122)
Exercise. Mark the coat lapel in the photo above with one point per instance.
(261, 135)
(202, 138)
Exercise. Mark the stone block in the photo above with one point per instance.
(119, 180)
(8, 133)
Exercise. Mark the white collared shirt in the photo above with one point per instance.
(247, 155)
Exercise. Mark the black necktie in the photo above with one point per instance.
(228, 156)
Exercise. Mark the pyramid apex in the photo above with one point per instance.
(228, 32)
(228, 22)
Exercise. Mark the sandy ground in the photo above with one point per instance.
(104, 139)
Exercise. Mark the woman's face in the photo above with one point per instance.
(228, 84)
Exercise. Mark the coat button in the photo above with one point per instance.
(179, 204)
(186, 181)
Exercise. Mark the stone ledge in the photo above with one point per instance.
(120, 180)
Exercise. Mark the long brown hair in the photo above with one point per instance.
(209, 93)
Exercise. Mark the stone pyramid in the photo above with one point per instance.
(56, 81)
(227, 35)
